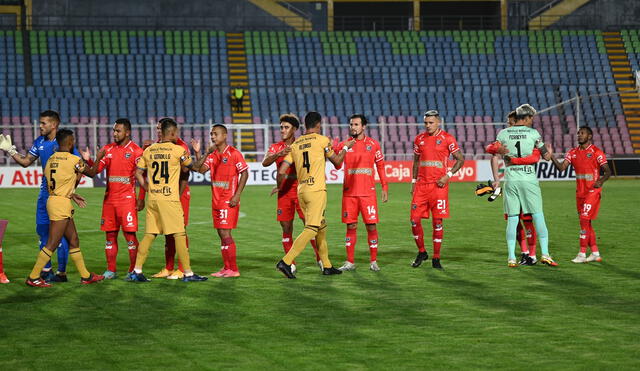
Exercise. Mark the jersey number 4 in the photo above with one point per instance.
(305, 161)
(163, 168)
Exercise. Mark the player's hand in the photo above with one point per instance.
(598, 183)
(234, 201)
(211, 149)
(495, 184)
(442, 181)
(274, 190)
(195, 144)
(100, 155)
(140, 204)
(385, 195)
(502, 150)
(79, 200)
(549, 148)
(350, 143)
(285, 151)
(507, 160)
(86, 154)
(547, 156)
(5, 143)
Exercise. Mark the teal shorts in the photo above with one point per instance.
(522, 196)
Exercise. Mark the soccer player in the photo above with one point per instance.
(430, 184)
(228, 177)
(63, 172)
(164, 160)
(587, 160)
(308, 154)
(288, 203)
(359, 190)
(119, 206)
(43, 147)
(3, 228)
(522, 190)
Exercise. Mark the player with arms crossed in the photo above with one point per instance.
(587, 160)
(308, 154)
(164, 160)
(522, 189)
(228, 177)
(288, 203)
(63, 172)
(430, 184)
(119, 206)
(359, 190)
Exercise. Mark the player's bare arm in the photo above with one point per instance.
(562, 166)
(337, 159)
(79, 200)
(414, 171)
(282, 174)
(199, 165)
(140, 178)
(606, 173)
(7, 146)
(457, 166)
(235, 200)
(270, 158)
(494, 171)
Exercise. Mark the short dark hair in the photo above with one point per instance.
(125, 122)
(290, 118)
(588, 129)
(511, 115)
(166, 123)
(224, 128)
(311, 119)
(361, 117)
(52, 114)
(62, 134)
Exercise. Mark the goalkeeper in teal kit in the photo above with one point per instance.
(522, 190)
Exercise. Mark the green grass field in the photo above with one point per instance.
(477, 313)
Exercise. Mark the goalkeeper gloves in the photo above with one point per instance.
(487, 189)
(6, 145)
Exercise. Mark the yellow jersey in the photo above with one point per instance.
(61, 173)
(308, 154)
(163, 162)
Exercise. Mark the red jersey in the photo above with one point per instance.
(225, 169)
(359, 176)
(290, 183)
(184, 145)
(434, 151)
(586, 163)
(120, 162)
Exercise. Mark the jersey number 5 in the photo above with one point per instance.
(305, 161)
(52, 186)
(163, 168)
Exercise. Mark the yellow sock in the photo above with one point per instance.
(143, 250)
(323, 248)
(78, 260)
(308, 233)
(43, 258)
(183, 252)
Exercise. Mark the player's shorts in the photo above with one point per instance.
(365, 205)
(164, 217)
(288, 205)
(185, 199)
(116, 215)
(313, 205)
(522, 197)
(429, 197)
(224, 216)
(59, 208)
(589, 206)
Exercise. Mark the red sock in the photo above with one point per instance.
(287, 243)
(179, 262)
(585, 234)
(132, 244)
(315, 249)
(111, 250)
(350, 244)
(592, 238)
(169, 252)
(230, 247)
(522, 239)
(532, 237)
(418, 235)
(1, 264)
(438, 232)
(373, 244)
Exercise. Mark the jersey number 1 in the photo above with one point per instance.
(305, 161)
(163, 168)
(518, 148)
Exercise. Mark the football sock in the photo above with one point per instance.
(143, 251)
(180, 239)
(231, 253)
(438, 233)
(111, 250)
(521, 238)
(585, 234)
(63, 255)
(323, 247)
(287, 242)
(43, 234)
(350, 244)
(43, 257)
(512, 226)
(225, 255)
(418, 235)
(592, 238)
(372, 236)
(530, 232)
(78, 260)
(180, 268)
(315, 248)
(543, 233)
(132, 245)
(169, 252)
(300, 242)
(1, 264)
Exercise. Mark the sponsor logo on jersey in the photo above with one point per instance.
(119, 179)
(437, 164)
(364, 171)
(587, 177)
(220, 184)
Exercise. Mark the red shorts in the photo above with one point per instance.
(429, 197)
(225, 217)
(288, 205)
(119, 214)
(365, 205)
(589, 206)
(185, 198)
(523, 217)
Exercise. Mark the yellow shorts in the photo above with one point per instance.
(164, 217)
(313, 205)
(59, 208)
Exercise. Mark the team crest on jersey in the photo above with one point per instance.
(438, 141)
(589, 155)
(127, 155)
(368, 148)
(224, 160)
(414, 206)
